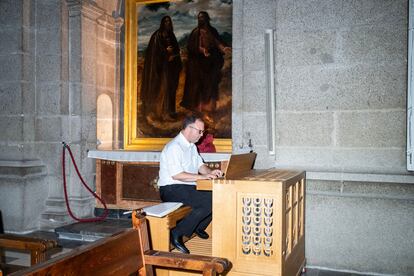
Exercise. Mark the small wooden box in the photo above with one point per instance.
(259, 222)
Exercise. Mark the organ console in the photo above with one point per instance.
(259, 222)
(258, 215)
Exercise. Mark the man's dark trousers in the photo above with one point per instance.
(200, 202)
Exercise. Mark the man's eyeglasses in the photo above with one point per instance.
(200, 131)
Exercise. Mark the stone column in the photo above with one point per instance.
(81, 75)
(22, 172)
(56, 213)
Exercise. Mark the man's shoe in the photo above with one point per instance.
(202, 234)
(177, 242)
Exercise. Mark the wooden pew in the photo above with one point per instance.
(38, 249)
(125, 253)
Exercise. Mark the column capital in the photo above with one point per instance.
(119, 22)
(74, 7)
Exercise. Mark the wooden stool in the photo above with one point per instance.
(160, 227)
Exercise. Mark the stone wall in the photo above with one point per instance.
(58, 58)
(23, 172)
(360, 226)
(340, 115)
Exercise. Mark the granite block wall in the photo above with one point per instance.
(340, 114)
(341, 74)
(57, 58)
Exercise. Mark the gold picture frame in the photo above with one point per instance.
(131, 139)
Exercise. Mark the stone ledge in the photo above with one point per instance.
(21, 163)
(361, 177)
(21, 169)
(360, 195)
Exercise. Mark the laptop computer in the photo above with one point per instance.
(239, 164)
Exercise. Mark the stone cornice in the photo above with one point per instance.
(91, 11)
(73, 3)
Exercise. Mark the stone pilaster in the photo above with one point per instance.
(55, 213)
(108, 81)
(80, 75)
(22, 172)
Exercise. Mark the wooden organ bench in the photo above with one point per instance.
(160, 227)
(126, 253)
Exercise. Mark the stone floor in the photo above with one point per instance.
(74, 235)
(320, 272)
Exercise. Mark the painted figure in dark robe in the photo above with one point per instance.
(205, 60)
(161, 72)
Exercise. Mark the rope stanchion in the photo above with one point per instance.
(106, 212)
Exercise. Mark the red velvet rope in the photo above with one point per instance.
(106, 212)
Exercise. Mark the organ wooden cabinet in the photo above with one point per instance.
(259, 222)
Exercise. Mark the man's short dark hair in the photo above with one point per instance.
(191, 119)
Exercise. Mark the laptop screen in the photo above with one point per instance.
(239, 164)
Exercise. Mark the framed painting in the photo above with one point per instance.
(177, 62)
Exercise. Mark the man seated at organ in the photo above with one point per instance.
(180, 167)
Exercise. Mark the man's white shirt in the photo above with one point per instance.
(178, 156)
